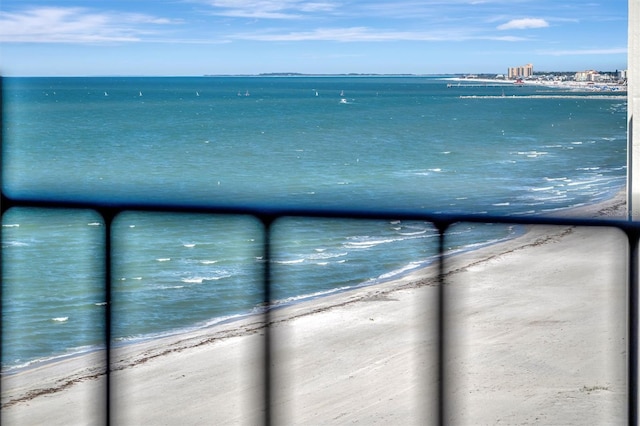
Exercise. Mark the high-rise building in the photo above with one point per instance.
(520, 72)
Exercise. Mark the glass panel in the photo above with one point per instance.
(52, 316)
(354, 337)
(536, 329)
(186, 291)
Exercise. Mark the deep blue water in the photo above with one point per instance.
(362, 142)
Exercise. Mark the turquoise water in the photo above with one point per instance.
(361, 142)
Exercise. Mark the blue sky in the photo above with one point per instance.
(196, 37)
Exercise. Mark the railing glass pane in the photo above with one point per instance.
(537, 329)
(362, 345)
(52, 311)
(181, 282)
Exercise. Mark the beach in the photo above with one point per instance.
(535, 332)
(578, 86)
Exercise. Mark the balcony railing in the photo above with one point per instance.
(268, 215)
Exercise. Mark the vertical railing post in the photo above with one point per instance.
(632, 387)
(267, 376)
(4, 206)
(108, 215)
(440, 325)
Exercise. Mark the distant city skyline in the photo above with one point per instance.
(208, 37)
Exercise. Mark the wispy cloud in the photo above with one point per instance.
(75, 25)
(267, 9)
(367, 34)
(608, 51)
(524, 23)
(352, 34)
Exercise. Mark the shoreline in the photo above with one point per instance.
(589, 210)
(577, 86)
(69, 378)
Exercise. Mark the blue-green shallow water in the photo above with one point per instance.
(409, 143)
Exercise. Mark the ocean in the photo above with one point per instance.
(421, 143)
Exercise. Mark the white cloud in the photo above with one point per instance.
(74, 25)
(610, 51)
(352, 34)
(525, 23)
(268, 9)
(366, 34)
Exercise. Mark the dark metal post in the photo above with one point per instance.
(440, 326)
(266, 292)
(108, 217)
(633, 328)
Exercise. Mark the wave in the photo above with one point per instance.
(307, 296)
(60, 319)
(410, 234)
(325, 255)
(401, 271)
(545, 188)
(289, 262)
(70, 353)
(368, 243)
(532, 154)
(564, 179)
(11, 225)
(16, 244)
(200, 280)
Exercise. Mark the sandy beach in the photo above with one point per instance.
(578, 86)
(535, 334)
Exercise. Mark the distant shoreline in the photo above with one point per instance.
(567, 85)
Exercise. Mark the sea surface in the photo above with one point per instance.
(355, 142)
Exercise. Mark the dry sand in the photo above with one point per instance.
(535, 334)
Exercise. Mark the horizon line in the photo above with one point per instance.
(288, 74)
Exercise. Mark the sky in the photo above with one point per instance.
(204, 37)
